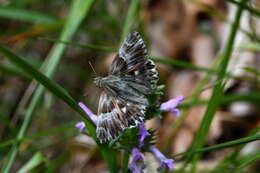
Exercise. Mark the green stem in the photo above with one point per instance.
(109, 156)
(125, 162)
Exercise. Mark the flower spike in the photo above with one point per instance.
(143, 134)
(137, 164)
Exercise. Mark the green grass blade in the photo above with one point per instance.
(182, 64)
(4, 119)
(88, 46)
(223, 145)
(54, 165)
(252, 70)
(167, 61)
(45, 81)
(37, 159)
(25, 15)
(38, 135)
(14, 71)
(78, 11)
(130, 19)
(251, 47)
(218, 89)
(230, 157)
(247, 160)
(253, 97)
(193, 100)
(251, 10)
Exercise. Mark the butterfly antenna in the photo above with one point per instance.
(92, 68)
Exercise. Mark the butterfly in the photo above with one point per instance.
(123, 101)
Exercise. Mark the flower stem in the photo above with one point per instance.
(126, 157)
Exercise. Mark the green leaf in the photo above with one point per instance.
(37, 159)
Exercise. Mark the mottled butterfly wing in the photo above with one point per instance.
(123, 103)
(114, 117)
(133, 64)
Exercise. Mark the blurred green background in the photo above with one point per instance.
(206, 50)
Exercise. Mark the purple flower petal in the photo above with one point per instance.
(137, 163)
(80, 125)
(91, 115)
(176, 112)
(143, 134)
(164, 162)
(171, 105)
(136, 154)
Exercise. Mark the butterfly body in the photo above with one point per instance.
(123, 101)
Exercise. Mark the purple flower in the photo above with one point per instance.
(171, 105)
(143, 134)
(91, 115)
(164, 162)
(80, 125)
(137, 164)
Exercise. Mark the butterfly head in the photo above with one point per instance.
(98, 81)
